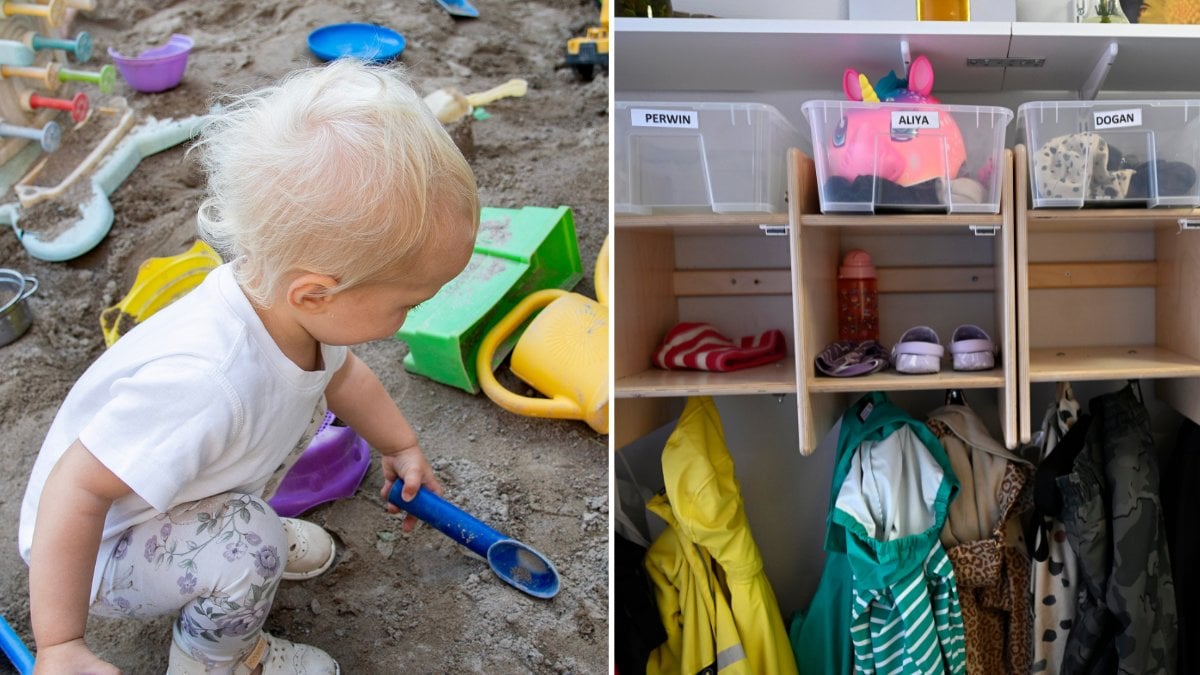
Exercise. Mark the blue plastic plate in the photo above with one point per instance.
(358, 40)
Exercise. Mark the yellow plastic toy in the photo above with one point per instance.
(159, 282)
(562, 354)
(585, 53)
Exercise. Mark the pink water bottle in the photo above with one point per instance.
(858, 297)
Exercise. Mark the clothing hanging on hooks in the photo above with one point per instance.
(1055, 567)
(982, 539)
(706, 564)
(1126, 613)
(884, 563)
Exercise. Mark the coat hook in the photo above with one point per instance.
(1136, 386)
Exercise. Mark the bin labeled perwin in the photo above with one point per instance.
(1112, 153)
(701, 158)
(879, 157)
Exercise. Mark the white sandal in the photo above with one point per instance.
(972, 349)
(311, 550)
(918, 352)
(276, 656)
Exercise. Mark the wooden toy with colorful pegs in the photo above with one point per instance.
(39, 74)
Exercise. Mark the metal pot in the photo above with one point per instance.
(15, 316)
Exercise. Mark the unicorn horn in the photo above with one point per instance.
(868, 92)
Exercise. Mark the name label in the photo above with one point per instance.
(866, 411)
(917, 119)
(1115, 119)
(676, 119)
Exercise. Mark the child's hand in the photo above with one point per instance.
(71, 657)
(410, 466)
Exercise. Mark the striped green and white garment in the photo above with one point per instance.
(913, 626)
(895, 490)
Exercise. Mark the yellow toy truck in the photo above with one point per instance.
(585, 53)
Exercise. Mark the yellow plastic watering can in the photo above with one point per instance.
(159, 282)
(563, 354)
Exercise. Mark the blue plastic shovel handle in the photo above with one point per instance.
(448, 519)
(16, 650)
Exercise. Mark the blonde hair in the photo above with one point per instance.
(339, 170)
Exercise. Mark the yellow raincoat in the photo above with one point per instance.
(717, 606)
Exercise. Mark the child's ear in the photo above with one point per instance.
(309, 292)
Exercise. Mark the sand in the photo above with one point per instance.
(394, 602)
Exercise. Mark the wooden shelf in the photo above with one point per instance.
(1147, 338)
(894, 381)
(909, 222)
(818, 246)
(1108, 363)
(773, 378)
(715, 55)
(1115, 220)
(702, 223)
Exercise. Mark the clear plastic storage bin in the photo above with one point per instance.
(902, 157)
(701, 157)
(1112, 153)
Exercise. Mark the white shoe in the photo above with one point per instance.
(275, 656)
(311, 550)
(918, 352)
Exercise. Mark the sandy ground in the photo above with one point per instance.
(394, 602)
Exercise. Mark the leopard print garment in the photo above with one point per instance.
(993, 581)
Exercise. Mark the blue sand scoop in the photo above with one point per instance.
(514, 562)
(15, 649)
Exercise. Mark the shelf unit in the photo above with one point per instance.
(818, 243)
(1133, 261)
(1141, 319)
(648, 289)
(1101, 304)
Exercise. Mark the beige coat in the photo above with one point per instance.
(983, 540)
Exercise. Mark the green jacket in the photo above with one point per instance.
(887, 600)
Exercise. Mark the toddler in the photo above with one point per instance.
(340, 204)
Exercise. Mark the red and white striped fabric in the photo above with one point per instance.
(698, 346)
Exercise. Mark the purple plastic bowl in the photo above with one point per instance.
(157, 69)
(332, 467)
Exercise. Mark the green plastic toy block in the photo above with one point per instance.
(517, 252)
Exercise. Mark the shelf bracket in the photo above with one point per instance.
(985, 230)
(1099, 73)
(1189, 225)
(905, 57)
(775, 230)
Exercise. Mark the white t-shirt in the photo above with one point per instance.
(196, 401)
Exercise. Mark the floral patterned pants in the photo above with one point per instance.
(217, 562)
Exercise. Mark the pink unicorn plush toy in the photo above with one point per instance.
(866, 141)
